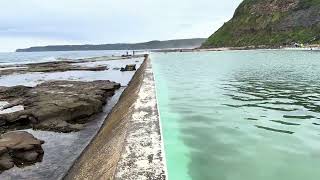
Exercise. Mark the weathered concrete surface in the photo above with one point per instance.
(142, 156)
(129, 145)
(61, 106)
(20, 149)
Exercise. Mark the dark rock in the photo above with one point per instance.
(61, 106)
(126, 55)
(2, 121)
(130, 67)
(27, 156)
(20, 149)
(6, 162)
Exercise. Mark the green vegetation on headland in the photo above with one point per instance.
(270, 23)
(179, 43)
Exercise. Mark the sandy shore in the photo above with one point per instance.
(129, 144)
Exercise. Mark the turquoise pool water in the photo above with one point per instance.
(240, 115)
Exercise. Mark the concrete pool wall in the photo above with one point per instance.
(129, 144)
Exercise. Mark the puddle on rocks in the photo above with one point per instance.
(4, 110)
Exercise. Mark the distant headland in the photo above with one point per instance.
(270, 23)
(178, 43)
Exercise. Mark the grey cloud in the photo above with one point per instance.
(111, 21)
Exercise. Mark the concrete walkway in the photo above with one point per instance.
(143, 156)
(129, 145)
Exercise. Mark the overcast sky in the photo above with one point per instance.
(25, 23)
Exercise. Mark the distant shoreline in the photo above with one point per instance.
(168, 44)
(305, 48)
(171, 49)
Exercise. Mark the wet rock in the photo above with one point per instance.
(61, 106)
(20, 149)
(56, 66)
(61, 66)
(130, 67)
(6, 162)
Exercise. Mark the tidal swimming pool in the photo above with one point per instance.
(240, 115)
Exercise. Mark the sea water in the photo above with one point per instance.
(240, 115)
(47, 56)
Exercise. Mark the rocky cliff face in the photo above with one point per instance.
(270, 23)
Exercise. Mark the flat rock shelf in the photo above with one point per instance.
(65, 108)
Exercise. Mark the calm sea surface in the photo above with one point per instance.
(34, 57)
(240, 115)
